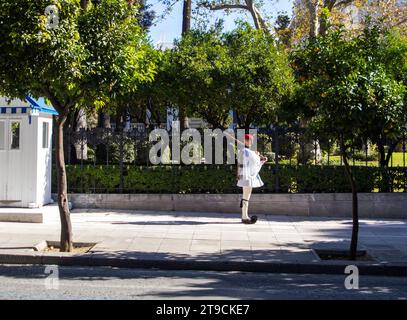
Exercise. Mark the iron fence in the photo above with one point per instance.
(288, 150)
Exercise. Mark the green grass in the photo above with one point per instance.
(399, 160)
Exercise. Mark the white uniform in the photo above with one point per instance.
(249, 168)
(248, 173)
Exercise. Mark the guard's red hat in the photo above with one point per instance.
(248, 137)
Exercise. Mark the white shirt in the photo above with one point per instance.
(249, 167)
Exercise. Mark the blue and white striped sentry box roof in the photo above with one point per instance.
(30, 104)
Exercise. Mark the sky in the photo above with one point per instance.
(167, 29)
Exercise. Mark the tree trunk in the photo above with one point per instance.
(310, 150)
(258, 20)
(101, 149)
(183, 118)
(384, 187)
(66, 226)
(355, 213)
(186, 26)
(84, 4)
(248, 5)
(81, 146)
(313, 8)
(382, 153)
(106, 121)
(186, 16)
(384, 164)
(392, 147)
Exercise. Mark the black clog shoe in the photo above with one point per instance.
(253, 219)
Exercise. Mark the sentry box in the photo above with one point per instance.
(25, 153)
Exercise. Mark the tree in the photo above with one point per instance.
(387, 48)
(312, 17)
(132, 61)
(186, 27)
(282, 27)
(81, 57)
(195, 67)
(186, 12)
(259, 74)
(247, 5)
(211, 73)
(136, 103)
(348, 96)
(145, 16)
(393, 13)
(44, 62)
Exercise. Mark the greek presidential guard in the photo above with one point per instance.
(249, 165)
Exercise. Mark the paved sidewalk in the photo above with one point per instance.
(210, 237)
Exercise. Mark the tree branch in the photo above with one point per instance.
(401, 22)
(259, 22)
(62, 110)
(329, 4)
(214, 7)
(343, 3)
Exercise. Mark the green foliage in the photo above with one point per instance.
(387, 47)
(209, 73)
(90, 58)
(351, 87)
(34, 58)
(121, 59)
(197, 70)
(148, 179)
(332, 179)
(259, 74)
(153, 95)
(222, 179)
(361, 156)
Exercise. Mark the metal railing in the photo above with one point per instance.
(285, 147)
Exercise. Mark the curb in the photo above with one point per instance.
(23, 217)
(90, 260)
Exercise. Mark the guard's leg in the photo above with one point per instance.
(244, 204)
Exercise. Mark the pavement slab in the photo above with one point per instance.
(215, 237)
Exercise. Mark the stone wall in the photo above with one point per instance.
(371, 205)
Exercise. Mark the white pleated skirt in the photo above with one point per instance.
(255, 182)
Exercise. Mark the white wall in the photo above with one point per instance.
(26, 173)
(18, 166)
(44, 162)
(13, 103)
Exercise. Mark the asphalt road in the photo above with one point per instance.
(35, 282)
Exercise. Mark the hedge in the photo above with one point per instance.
(222, 179)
